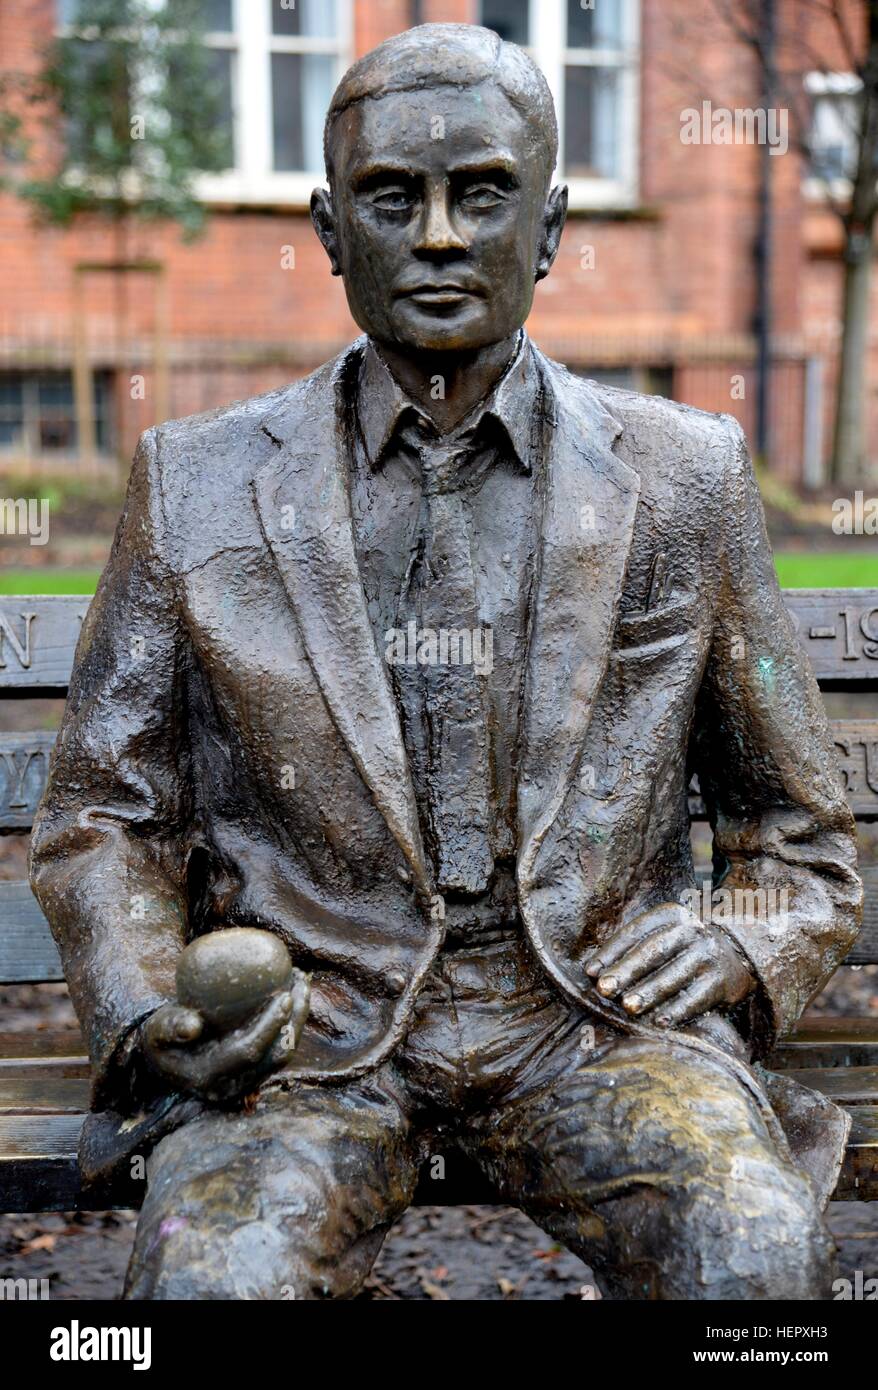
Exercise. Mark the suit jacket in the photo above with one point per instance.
(231, 751)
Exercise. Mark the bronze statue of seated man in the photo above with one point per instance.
(410, 663)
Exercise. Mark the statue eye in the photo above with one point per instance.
(482, 195)
(394, 198)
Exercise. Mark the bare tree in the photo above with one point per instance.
(789, 61)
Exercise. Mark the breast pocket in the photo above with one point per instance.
(661, 629)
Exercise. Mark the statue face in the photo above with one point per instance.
(438, 220)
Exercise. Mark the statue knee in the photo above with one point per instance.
(758, 1235)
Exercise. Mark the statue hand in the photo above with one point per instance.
(228, 1066)
(670, 966)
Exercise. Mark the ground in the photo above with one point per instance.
(489, 1254)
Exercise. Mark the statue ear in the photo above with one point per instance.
(554, 218)
(323, 218)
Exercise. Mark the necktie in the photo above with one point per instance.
(449, 683)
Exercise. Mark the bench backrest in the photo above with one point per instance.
(837, 627)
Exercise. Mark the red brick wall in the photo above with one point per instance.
(672, 283)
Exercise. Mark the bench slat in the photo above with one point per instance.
(38, 636)
(845, 1085)
(24, 767)
(817, 1042)
(38, 1169)
(28, 954)
(59, 1050)
(829, 1042)
(39, 1094)
(837, 627)
(839, 630)
(859, 1175)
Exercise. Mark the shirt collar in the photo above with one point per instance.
(382, 402)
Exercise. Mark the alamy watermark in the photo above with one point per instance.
(23, 1290)
(739, 906)
(25, 516)
(855, 516)
(444, 646)
(718, 125)
(857, 1290)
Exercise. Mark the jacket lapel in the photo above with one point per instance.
(304, 507)
(589, 504)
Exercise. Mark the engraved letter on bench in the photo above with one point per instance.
(21, 652)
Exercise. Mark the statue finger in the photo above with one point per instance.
(643, 958)
(674, 977)
(247, 1046)
(642, 926)
(701, 996)
(173, 1025)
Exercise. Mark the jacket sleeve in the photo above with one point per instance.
(767, 770)
(107, 852)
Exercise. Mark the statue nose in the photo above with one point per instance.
(438, 234)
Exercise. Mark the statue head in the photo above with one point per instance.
(441, 216)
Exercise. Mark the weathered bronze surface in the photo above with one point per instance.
(410, 663)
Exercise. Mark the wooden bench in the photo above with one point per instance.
(44, 1075)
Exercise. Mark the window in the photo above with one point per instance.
(281, 62)
(276, 63)
(37, 414)
(588, 52)
(833, 138)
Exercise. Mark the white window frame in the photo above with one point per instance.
(547, 45)
(253, 181)
(830, 84)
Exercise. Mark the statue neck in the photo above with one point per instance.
(448, 385)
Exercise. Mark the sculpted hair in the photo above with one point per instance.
(457, 55)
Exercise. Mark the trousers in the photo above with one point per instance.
(650, 1161)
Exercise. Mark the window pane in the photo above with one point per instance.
(214, 16)
(56, 424)
(598, 26)
(508, 18)
(313, 19)
(11, 410)
(301, 88)
(220, 62)
(217, 15)
(833, 137)
(103, 410)
(10, 393)
(54, 389)
(591, 135)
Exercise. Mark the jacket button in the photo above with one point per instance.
(396, 983)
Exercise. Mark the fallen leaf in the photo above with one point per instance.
(46, 1242)
(434, 1291)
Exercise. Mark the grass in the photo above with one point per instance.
(48, 581)
(796, 570)
(837, 569)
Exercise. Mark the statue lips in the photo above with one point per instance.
(447, 295)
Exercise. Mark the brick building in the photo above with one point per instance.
(655, 284)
